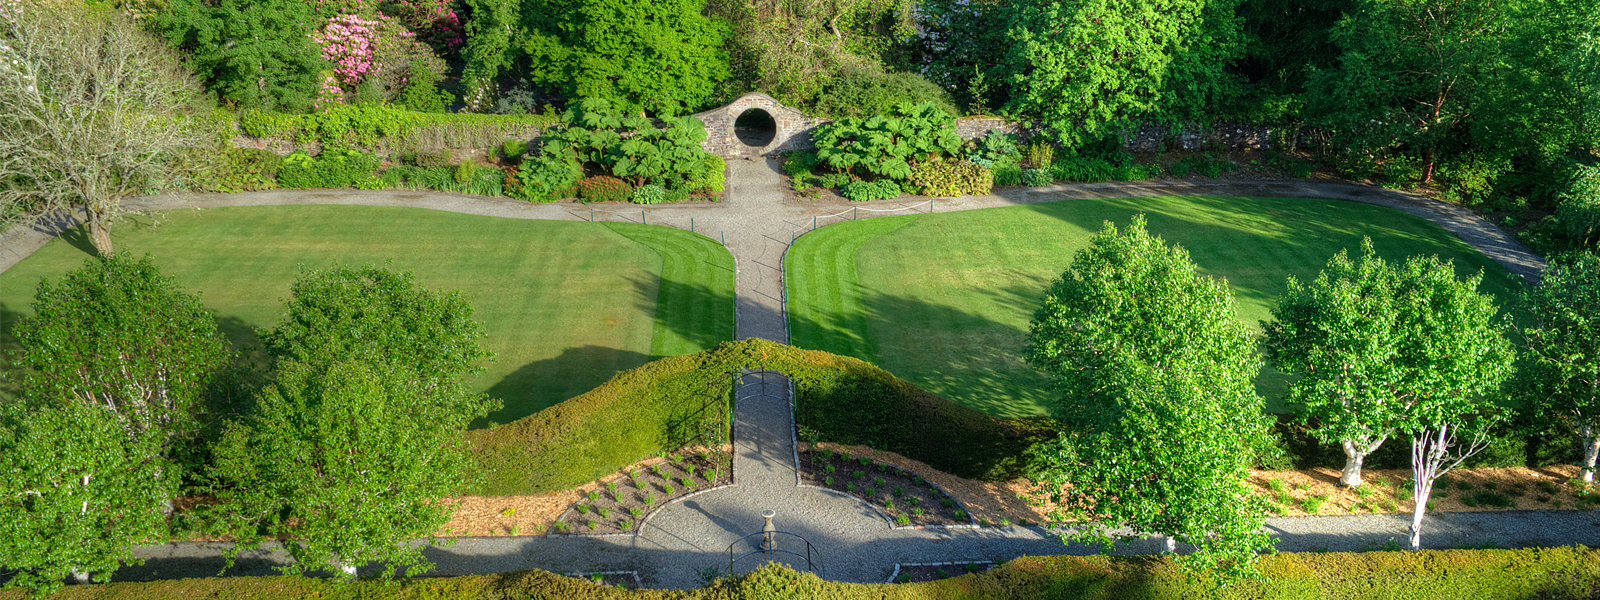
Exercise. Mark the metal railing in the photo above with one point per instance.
(768, 546)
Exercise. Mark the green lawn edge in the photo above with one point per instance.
(694, 301)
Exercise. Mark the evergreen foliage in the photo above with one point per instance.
(249, 54)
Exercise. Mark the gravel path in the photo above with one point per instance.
(757, 222)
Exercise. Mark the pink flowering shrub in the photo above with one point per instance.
(434, 22)
(348, 41)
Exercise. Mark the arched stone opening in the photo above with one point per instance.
(755, 127)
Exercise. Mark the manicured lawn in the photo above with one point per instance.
(944, 300)
(566, 305)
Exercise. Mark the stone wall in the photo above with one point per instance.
(970, 128)
(1220, 136)
(793, 127)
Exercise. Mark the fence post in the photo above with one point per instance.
(591, 214)
(791, 237)
(853, 210)
(930, 207)
(646, 220)
(691, 224)
(724, 238)
(813, 222)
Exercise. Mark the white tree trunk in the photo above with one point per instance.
(1172, 544)
(1591, 452)
(78, 577)
(1421, 489)
(1355, 453)
(348, 569)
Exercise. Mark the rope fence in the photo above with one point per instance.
(643, 217)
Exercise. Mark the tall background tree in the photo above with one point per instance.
(661, 57)
(1098, 67)
(1559, 374)
(249, 54)
(1410, 72)
(1161, 417)
(92, 111)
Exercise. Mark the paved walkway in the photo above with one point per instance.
(854, 542)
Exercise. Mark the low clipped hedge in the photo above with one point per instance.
(1545, 574)
(393, 129)
(665, 404)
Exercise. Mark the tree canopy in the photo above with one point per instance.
(1161, 418)
(1559, 376)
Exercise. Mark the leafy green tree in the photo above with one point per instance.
(92, 111)
(1579, 210)
(803, 51)
(348, 460)
(371, 314)
(250, 54)
(1096, 67)
(1559, 376)
(1162, 419)
(1342, 336)
(1460, 353)
(76, 494)
(1410, 72)
(661, 57)
(117, 335)
(1546, 97)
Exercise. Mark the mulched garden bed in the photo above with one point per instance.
(623, 502)
(909, 499)
(936, 571)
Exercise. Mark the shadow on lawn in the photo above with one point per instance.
(528, 389)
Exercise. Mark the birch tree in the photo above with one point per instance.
(1559, 375)
(1457, 345)
(92, 111)
(76, 495)
(118, 335)
(348, 462)
(1162, 419)
(1341, 337)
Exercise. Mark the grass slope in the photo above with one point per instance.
(565, 305)
(944, 300)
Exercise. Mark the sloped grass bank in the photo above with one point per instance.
(944, 300)
(668, 403)
(1544, 574)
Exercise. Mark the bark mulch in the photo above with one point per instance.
(907, 497)
(621, 502)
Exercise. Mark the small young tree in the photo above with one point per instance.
(76, 494)
(1341, 335)
(92, 110)
(117, 335)
(1559, 376)
(1162, 420)
(1456, 343)
(349, 461)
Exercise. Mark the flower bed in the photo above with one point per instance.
(907, 498)
(622, 502)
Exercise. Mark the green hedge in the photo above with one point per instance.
(391, 129)
(1545, 574)
(660, 406)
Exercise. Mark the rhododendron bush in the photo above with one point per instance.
(374, 57)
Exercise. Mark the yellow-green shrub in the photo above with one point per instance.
(952, 178)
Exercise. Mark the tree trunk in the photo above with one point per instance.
(1420, 492)
(1172, 544)
(100, 236)
(348, 569)
(78, 577)
(1354, 455)
(1591, 452)
(1427, 165)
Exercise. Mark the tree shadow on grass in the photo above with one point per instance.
(689, 317)
(544, 383)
